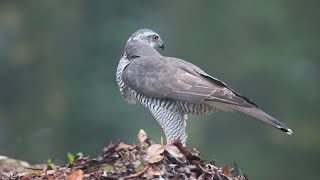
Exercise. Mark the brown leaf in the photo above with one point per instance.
(76, 175)
(182, 148)
(122, 145)
(142, 136)
(155, 158)
(226, 170)
(154, 171)
(25, 178)
(48, 172)
(173, 150)
(135, 175)
(155, 149)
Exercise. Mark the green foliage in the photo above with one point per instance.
(108, 168)
(139, 167)
(50, 164)
(70, 157)
(37, 172)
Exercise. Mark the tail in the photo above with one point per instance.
(256, 112)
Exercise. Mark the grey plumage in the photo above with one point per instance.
(172, 88)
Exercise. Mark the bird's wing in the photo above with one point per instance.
(172, 78)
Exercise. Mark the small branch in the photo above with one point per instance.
(33, 168)
(138, 173)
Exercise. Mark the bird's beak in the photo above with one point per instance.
(161, 44)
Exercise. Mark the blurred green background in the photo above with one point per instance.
(58, 92)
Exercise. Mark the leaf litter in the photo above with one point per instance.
(147, 160)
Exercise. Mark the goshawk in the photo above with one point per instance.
(172, 88)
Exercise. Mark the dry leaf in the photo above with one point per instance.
(173, 150)
(142, 136)
(76, 175)
(154, 171)
(108, 168)
(153, 153)
(122, 145)
(37, 172)
(25, 178)
(184, 150)
(155, 149)
(226, 170)
(48, 172)
(155, 158)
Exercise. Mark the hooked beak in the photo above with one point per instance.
(161, 44)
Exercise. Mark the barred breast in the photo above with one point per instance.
(124, 89)
(168, 114)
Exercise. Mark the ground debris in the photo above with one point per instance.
(147, 160)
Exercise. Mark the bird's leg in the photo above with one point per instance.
(172, 121)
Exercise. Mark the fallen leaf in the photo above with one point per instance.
(154, 171)
(122, 145)
(137, 174)
(226, 170)
(108, 168)
(139, 167)
(155, 158)
(155, 149)
(153, 153)
(48, 172)
(184, 150)
(25, 178)
(142, 136)
(173, 150)
(37, 172)
(76, 175)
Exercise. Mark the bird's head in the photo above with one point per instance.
(147, 36)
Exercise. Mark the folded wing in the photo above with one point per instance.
(165, 77)
(173, 78)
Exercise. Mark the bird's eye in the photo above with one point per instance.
(155, 38)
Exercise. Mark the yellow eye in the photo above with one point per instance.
(155, 38)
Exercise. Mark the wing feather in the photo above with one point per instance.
(173, 78)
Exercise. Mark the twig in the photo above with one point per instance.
(33, 168)
(138, 173)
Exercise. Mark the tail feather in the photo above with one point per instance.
(256, 112)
